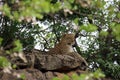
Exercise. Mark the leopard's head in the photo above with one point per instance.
(68, 39)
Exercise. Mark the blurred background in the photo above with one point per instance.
(40, 24)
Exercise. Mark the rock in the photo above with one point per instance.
(25, 74)
(59, 62)
(44, 66)
(17, 75)
(49, 75)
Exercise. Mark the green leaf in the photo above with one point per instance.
(14, 66)
(111, 10)
(76, 20)
(118, 15)
(6, 10)
(100, 3)
(88, 28)
(71, 1)
(98, 74)
(16, 15)
(116, 31)
(22, 76)
(112, 25)
(118, 38)
(66, 77)
(7, 51)
(55, 7)
(104, 33)
(18, 46)
(75, 77)
(82, 77)
(1, 41)
(67, 5)
(55, 78)
(4, 62)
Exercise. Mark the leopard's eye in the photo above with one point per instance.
(73, 40)
(69, 43)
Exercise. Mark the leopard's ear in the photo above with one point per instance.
(64, 35)
(77, 34)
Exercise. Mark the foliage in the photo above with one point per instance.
(108, 54)
(11, 30)
(18, 46)
(4, 62)
(88, 28)
(1, 41)
(29, 8)
(89, 76)
(113, 69)
(44, 21)
(22, 76)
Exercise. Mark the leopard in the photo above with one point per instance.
(65, 45)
